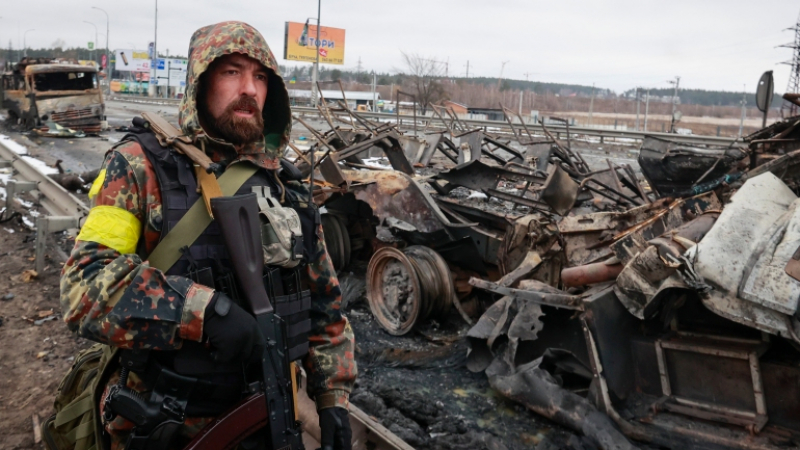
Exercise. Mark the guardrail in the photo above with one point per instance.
(498, 126)
(65, 209)
(557, 130)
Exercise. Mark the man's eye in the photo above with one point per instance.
(261, 77)
(231, 72)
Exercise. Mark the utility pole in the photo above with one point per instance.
(520, 102)
(591, 106)
(155, 51)
(500, 80)
(638, 103)
(108, 59)
(25, 42)
(315, 75)
(646, 107)
(744, 110)
(95, 39)
(467, 68)
(374, 92)
(677, 84)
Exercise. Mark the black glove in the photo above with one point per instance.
(335, 427)
(232, 332)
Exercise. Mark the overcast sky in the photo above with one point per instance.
(617, 44)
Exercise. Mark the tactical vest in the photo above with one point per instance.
(207, 261)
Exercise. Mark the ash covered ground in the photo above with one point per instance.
(419, 388)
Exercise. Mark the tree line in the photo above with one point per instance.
(426, 78)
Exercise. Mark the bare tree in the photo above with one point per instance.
(424, 76)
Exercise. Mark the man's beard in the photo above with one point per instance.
(234, 129)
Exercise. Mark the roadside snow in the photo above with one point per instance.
(12, 145)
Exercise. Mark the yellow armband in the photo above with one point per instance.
(113, 227)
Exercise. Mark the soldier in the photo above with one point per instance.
(236, 109)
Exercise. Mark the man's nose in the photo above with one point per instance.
(248, 86)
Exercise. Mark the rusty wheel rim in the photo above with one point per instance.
(393, 291)
(435, 280)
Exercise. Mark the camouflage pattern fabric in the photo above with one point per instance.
(211, 42)
(118, 299)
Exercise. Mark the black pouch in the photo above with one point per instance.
(309, 221)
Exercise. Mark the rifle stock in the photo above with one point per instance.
(231, 428)
(238, 220)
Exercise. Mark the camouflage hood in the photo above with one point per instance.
(211, 42)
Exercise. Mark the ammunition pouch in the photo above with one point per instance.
(281, 232)
(292, 305)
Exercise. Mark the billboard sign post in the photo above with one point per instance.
(300, 38)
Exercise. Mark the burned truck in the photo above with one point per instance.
(40, 91)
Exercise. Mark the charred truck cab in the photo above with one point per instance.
(38, 91)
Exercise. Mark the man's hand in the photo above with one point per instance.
(232, 332)
(335, 426)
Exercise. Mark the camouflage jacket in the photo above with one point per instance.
(110, 294)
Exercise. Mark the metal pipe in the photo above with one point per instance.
(590, 274)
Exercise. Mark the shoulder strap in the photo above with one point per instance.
(192, 225)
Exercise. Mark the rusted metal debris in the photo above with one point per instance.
(621, 307)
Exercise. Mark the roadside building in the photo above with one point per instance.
(301, 97)
(457, 108)
(488, 113)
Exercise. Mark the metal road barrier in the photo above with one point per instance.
(494, 125)
(65, 209)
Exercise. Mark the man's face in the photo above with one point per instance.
(235, 88)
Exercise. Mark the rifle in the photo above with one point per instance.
(238, 221)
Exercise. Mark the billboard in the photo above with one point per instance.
(128, 60)
(299, 43)
(174, 69)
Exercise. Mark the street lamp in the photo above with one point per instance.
(24, 42)
(95, 38)
(108, 59)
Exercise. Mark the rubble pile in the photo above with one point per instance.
(662, 310)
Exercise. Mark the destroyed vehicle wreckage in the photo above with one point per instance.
(39, 92)
(663, 311)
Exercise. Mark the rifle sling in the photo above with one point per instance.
(197, 218)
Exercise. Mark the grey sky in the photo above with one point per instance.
(618, 44)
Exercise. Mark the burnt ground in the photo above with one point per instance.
(419, 388)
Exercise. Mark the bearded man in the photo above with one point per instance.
(236, 109)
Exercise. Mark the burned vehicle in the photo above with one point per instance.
(658, 303)
(40, 91)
